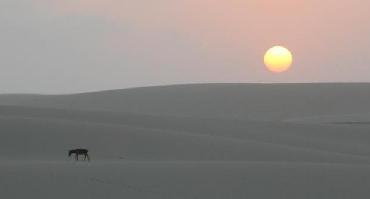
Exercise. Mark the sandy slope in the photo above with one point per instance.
(246, 101)
(161, 143)
(167, 180)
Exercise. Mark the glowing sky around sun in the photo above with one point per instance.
(78, 45)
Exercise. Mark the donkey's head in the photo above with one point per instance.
(70, 153)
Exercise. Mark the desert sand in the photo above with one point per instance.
(206, 141)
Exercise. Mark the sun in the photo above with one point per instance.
(278, 59)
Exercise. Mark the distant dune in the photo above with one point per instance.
(245, 101)
(189, 141)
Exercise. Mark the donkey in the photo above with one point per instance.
(78, 152)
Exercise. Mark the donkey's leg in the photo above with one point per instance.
(88, 157)
(76, 156)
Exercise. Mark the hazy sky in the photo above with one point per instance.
(61, 46)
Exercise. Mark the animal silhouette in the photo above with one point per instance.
(78, 152)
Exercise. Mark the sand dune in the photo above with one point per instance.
(245, 101)
(183, 180)
(189, 141)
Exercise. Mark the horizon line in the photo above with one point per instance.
(179, 84)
